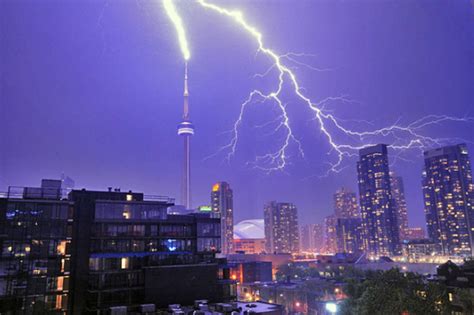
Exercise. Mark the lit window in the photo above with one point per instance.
(124, 263)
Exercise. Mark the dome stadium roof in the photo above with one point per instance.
(249, 229)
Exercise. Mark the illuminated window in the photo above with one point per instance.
(129, 197)
(124, 263)
(60, 283)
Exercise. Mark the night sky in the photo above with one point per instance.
(93, 89)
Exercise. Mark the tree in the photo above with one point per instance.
(393, 292)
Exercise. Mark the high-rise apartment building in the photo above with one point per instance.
(330, 235)
(281, 228)
(349, 235)
(312, 238)
(345, 204)
(379, 218)
(222, 204)
(448, 192)
(400, 204)
(414, 233)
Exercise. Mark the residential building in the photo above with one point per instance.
(448, 193)
(281, 227)
(330, 237)
(345, 204)
(400, 204)
(128, 251)
(222, 203)
(35, 243)
(312, 238)
(414, 233)
(349, 235)
(379, 217)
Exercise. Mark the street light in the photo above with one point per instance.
(331, 307)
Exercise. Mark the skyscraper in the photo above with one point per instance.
(222, 203)
(379, 220)
(312, 237)
(330, 235)
(345, 204)
(349, 235)
(186, 129)
(448, 192)
(281, 227)
(400, 204)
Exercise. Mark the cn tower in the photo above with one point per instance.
(186, 130)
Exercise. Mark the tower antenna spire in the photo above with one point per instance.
(186, 129)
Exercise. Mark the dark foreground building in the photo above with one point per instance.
(129, 252)
(35, 239)
(103, 250)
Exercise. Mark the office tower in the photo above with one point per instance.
(186, 130)
(312, 238)
(400, 204)
(379, 220)
(330, 237)
(35, 239)
(281, 228)
(349, 235)
(128, 251)
(345, 204)
(222, 203)
(449, 199)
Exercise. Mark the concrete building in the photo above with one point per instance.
(127, 251)
(448, 193)
(281, 228)
(400, 204)
(349, 235)
(35, 256)
(330, 236)
(222, 203)
(312, 238)
(379, 217)
(345, 204)
(414, 233)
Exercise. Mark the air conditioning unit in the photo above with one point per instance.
(118, 310)
(197, 303)
(147, 308)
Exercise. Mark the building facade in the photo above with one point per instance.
(129, 251)
(222, 203)
(345, 204)
(414, 233)
(349, 235)
(330, 234)
(35, 257)
(379, 218)
(448, 193)
(400, 204)
(281, 228)
(312, 238)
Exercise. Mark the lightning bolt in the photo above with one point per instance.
(401, 137)
(175, 18)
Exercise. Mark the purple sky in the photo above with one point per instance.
(94, 89)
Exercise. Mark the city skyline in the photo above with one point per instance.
(114, 138)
